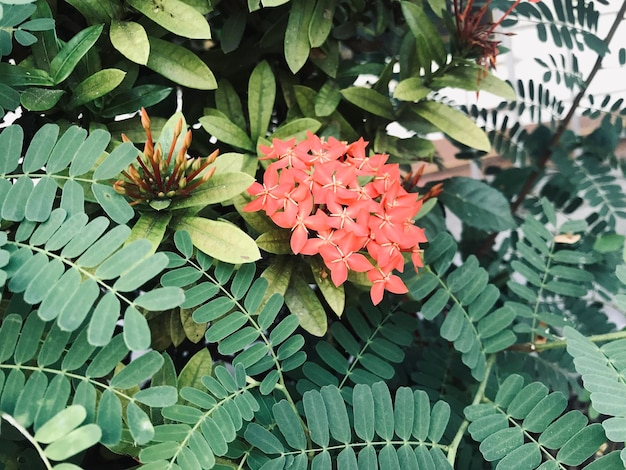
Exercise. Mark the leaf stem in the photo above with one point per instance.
(480, 393)
(24, 432)
(561, 343)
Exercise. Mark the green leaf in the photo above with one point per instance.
(131, 40)
(303, 303)
(334, 296)
(264, 440)
(11, 140)
(74, 442)
(472, 77)
(14, 75)
(142, 96)
(369, 100)
(175, 16)
(297, 44)
(580, 447)
(151, 226)
(198, 366)
(297, 128)
(226, 131)
(96, 85)
(477, 204)
(261, 96)
(118, 160)
(136, 330)
(40, 99)
(411, 89)
(220, 240)
(454, 123)
(113, 203)
(61, 424)
(289, 424)
(321, 22)
(220, 188)
(275, 241)
(180, 65)
(70, 54)
(424, 30)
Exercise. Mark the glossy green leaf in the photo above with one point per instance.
(453, 123)
(321, 22)
(411, 89)
(70, 54)
(131, 40)
(96, 85)
(220, 240)
(473, 78)
(179, 65)
(175, 16)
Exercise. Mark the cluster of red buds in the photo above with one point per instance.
(349, 208)
(158, 178)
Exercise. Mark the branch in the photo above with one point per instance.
(547, 153)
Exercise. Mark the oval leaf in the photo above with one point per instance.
(131, 40)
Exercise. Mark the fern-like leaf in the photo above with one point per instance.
(524, 426)
(76, 272)
(371, 430)
(40, 359)
(467, 299)
(67, 161)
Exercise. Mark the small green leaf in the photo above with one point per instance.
(180, 65)
(297, 128)
(175, 16)
(139, 424)
(40, 99)
(226, 131)
(136, 330)
(454, 123)
(321, 22)
(70, 54)
(61, 424)
(131, 40)
(369, 100)
(220, 240)
(74, 442)
(96, 85)
(411, 89)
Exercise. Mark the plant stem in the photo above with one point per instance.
(547, 153)
(24, 432)
(530, 347)
(480, 393)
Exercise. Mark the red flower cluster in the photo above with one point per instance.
(340, 203)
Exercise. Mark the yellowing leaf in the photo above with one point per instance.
(454, 123)
(303, 303)
(131, 40)
(220, 240)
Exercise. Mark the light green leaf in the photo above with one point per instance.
(131, 40)
(74, 442)
(220, 240)
(369, 100)
(226, 131)
(113, 203)
(136, 330)
(297, 44)
(411, 89)
(180, 65)
(96, 85)
(161, 298)
(175, 16)
(454, 123)
(70, 54)
(334, 296)
(61, 424)
(139, 424)
(198, 366)
(477, 204)
(151, 226)
(40, 99)
(261, 96)
(303, 303)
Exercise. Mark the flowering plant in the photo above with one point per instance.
(338, 202)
